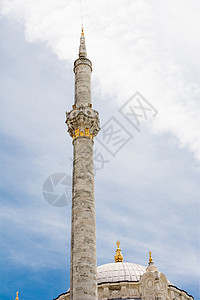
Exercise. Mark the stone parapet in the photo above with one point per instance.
(83, 121)
(134, 290)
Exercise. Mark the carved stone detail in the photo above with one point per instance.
(154, 286)
(82, 121)
(122, 290)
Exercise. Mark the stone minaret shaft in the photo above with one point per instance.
(83, 126)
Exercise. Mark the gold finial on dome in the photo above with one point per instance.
(151, 267)
(118, 255)
(150, 257)
(82, 32)
(17, 296)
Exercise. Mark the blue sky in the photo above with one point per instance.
(147, 196)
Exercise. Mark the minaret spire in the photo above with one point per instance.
(83, 126)
(82, 31)
(82, 47)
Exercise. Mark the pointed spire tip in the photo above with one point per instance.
(82, 47)
(82, 31)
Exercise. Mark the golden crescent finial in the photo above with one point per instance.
(17, 296)
(150, 257)
(82, 32)
(118, 255)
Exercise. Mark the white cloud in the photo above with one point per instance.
(134, 45)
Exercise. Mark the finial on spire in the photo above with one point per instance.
(150, 257)
(82, 47)
(17, 296)
(82, 31)
(118, 255)
(151, 267)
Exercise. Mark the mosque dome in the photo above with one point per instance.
(119, 272)
(125, 280)
(122, 271)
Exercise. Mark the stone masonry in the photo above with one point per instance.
(83, 126)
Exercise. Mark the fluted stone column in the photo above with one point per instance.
(83, 126)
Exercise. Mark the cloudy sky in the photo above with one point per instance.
(147, 190)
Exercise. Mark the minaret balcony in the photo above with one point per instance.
(83, 122)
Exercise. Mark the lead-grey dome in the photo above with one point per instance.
(121, 271)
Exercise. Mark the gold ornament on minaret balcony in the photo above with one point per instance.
(118, 255)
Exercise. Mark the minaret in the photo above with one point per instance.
(83, 126)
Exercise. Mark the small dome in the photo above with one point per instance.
(121, 271)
